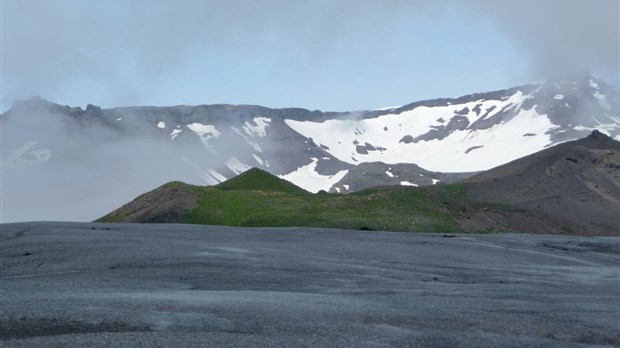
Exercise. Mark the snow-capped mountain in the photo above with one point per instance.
(471, 133)
(111, 155)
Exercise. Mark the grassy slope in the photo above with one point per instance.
(259, 199)
(393, 208)
(257, 179)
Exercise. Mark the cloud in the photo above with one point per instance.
(562, 35)
(62, 163)
(53, 168)
(139, 51)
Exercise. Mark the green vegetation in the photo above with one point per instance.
(257, 179)
(259, 199)
(391, 208)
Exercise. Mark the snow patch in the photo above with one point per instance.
(593, 84)
(119, 119)
(257, 127)
(388, 173)
(387, 108)
(205, 132)
(247, 140)
(407, 183)
(435, 181)
(307, 177)
(28, 154)
(558, 96)
(602, 100)
(605, 129)
(503, 142)
(175, 133)
(161, 124)
(590, 129)
(346, 187)
(217, 176)
(258, 159)
(236, 166)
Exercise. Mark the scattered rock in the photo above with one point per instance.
(473, 148)
(407, 139)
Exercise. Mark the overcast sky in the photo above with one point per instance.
(318, 54)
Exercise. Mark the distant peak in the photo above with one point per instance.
(597, 135)
(94, 109)
(255, 170)
(34, 103)
(34, 100)
(258, 179)
(573, 76)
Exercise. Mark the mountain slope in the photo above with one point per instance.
(395, 209)
(69, 163)
(576, 181)
(257, 179)
(366, 175)
(166, 204)
(475, 132)
(570, 188)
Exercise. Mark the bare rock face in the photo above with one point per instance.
(441, 132)
(94, 110)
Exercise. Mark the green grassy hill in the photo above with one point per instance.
(257, 179)
(392, 209)
(571, 188)
(259, 199)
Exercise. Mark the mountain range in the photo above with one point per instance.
(68, 163)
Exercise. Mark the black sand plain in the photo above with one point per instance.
(121, 285)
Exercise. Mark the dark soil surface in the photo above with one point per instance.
(164, 285)
(577, 182)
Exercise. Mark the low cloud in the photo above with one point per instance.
(562, 35)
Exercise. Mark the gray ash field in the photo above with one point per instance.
(81, 284)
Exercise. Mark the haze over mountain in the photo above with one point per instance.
(68, 163)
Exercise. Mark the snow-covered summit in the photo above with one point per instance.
(474, 132)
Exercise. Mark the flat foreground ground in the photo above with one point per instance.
(80, 284)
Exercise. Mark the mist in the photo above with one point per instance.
(563, 35)
(54, 168)
(314, 54)
(64, 163)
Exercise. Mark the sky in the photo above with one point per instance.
(331, 55)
